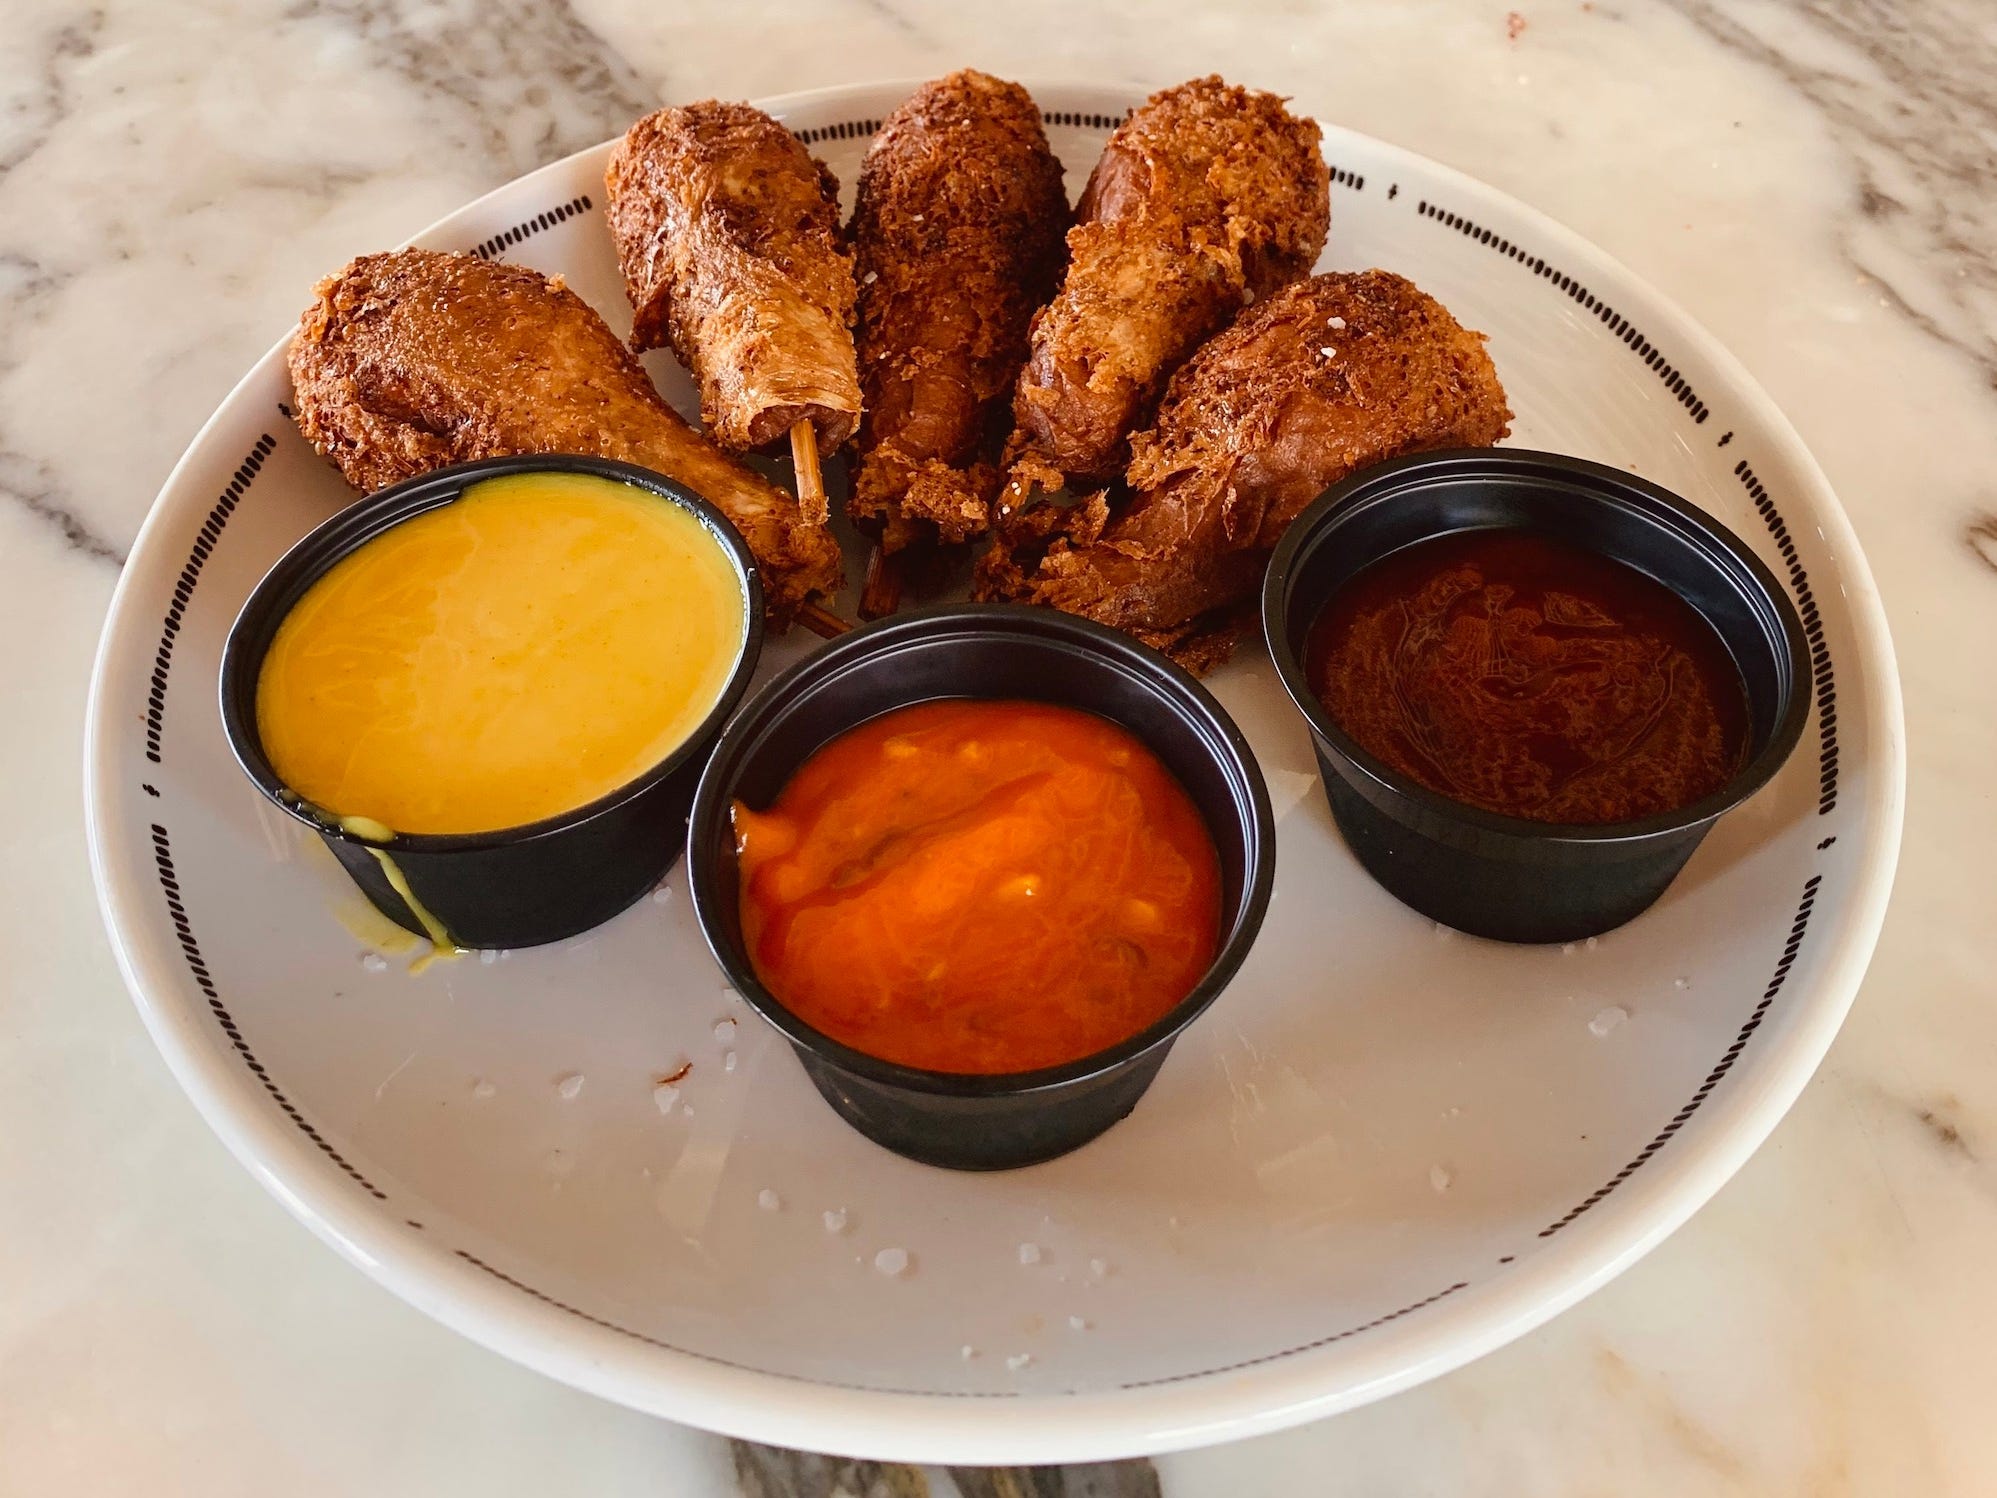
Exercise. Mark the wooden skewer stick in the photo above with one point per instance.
(1016, 495)
(813, 510)
(810, 482)
(880, 594)
(820, 620)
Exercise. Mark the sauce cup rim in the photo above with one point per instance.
(1385, 482)
(343, 533)
(1104, 648)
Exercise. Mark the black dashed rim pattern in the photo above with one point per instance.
(506, 239)
(169, 884)
(211, 530)
(1621, 326)
(1350, 1331)
(183, 590)
(1720, 1068)
(844, 130)
(1822, 680)
(707, 1357)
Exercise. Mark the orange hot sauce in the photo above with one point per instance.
(980, 886)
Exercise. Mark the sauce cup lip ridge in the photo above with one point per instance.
(1399, 481)
(345, 532)
(873, 645)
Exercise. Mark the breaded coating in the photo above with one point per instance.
(728, 233)
(411, 360)
(1206, 196)
(1322, 379)
(957, 236)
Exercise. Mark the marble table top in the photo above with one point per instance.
(1816, 182)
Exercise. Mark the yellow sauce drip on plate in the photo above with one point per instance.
(516, 654)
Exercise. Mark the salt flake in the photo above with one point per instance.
(893, 1262)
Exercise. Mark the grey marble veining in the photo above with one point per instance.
(1908, 95)
(1134, 1479)
(38, 99)
(511, 84)
(477, 92)
(1980, 534)
(771, 1472)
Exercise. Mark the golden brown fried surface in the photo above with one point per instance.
(957, 235)
(1322, 379)
(1206, 195)
(728, 233)
(411, 360)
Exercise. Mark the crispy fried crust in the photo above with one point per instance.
(728, 234)
(1207, 195)
(958, 237)
(411, 360)
(1322, 379)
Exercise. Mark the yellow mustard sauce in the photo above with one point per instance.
(359, 918)
(354, 913)
(441, 943)
(536, 644)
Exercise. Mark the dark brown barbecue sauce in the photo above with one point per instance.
(1532, 678)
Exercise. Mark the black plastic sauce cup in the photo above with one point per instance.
(1509, 877)
(516, 886)
(984, 1122)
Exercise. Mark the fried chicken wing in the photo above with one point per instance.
(957, 235)
(1322, 379)
(728, 233)
(412, 360)
(1206, 196)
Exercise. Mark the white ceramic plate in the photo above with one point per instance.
(1386, 1150)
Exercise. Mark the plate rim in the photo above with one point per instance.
(1089, 1425)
